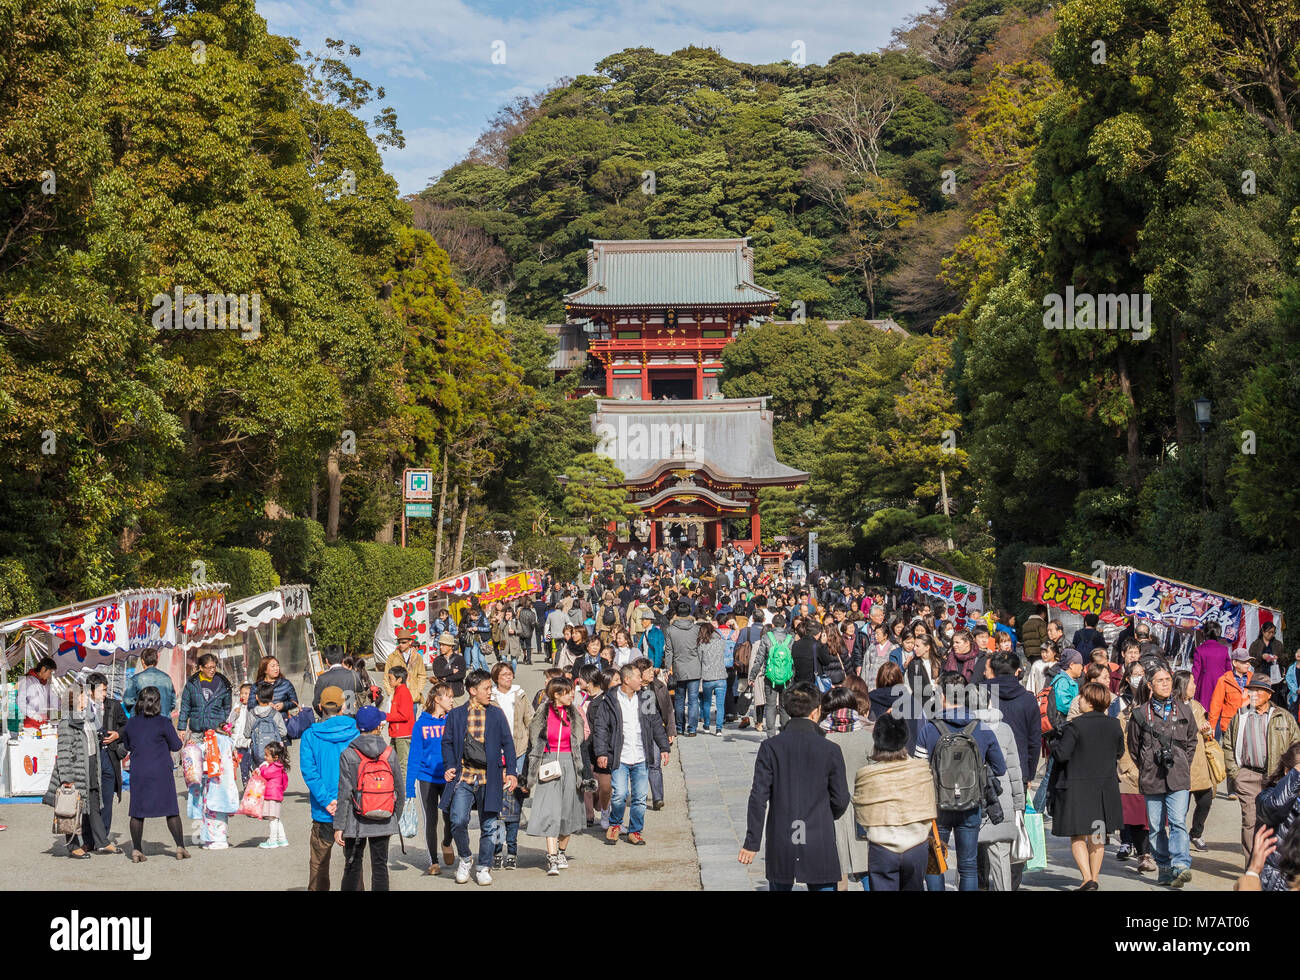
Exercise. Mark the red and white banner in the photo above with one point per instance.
(965, 598)
(512, 587)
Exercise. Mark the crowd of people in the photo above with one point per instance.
(899, 738)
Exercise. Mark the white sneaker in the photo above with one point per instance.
(463, 870)
(604, 820)
(282, 842)
(216, 846)
(562, 861)
(484, 876)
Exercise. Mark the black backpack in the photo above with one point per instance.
(958, 768)
(609, 617)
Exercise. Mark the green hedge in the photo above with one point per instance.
(355, 580)
(248, 570)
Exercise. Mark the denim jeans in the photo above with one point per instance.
(686, 704)
(1170, 847)
(715, 692)
(629, 781)
(655, 774)
(464, 800)
(1040, 794)
(967, 827)
(474, 656)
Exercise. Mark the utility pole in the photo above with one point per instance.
(943, 487)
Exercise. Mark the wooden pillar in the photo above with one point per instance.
(699, 374)
(609, 378)
(611, 534)
(645, 380)
(753, 526)
(654, 534)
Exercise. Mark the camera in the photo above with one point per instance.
(1165, 757)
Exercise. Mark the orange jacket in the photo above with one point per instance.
(1228, 698)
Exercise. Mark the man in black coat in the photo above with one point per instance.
(1019, 709)
(624, 738)
(799, 782)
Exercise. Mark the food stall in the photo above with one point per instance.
(276, 624)
(105, 634)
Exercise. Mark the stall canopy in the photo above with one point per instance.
(411, 610)
(98, 631)
(276, 606)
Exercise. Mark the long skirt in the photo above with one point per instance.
(557, 806)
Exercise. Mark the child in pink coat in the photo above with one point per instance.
(277, 780)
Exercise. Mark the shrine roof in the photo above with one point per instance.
(727, 439)
(671, 272)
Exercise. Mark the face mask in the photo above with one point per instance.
(1136, 680)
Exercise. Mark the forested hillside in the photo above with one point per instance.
(994, 155)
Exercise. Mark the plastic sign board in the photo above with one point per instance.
(419, 510)
(417, 485)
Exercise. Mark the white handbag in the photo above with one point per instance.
(550, 771)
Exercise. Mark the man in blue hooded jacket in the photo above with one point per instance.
(322, 745)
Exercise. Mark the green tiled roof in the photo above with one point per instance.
(671, 272)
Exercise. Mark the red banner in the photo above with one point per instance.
(1074, 593)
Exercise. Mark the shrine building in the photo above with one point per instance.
(647, 332)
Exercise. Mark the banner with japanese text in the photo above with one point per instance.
(1181, 606)
(1072, 592)
(966, 598)
(511, 587)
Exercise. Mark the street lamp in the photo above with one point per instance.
(1203, 420)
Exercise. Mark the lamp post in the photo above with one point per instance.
(1203, 420)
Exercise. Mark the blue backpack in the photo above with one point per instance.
(654, 642)
(728, 649)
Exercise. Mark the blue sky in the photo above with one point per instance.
(434, 58)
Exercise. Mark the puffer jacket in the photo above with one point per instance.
(1277, 807)
(346, 819)
(1012, 782)
(72, 760)
(682, 654)
(199, 715)
(1145, 728)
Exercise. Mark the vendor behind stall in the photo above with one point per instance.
(36, 695)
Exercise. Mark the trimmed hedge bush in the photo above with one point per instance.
(248, 570)
(355, 580)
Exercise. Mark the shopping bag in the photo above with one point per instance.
(1037, 840)
(254, 794)
(409, 825)
(1215, 762)
(937, 862)
(192, 763)
(299, 722)
(1022, 849)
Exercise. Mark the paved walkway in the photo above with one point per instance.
(719, 772)
(34, 858)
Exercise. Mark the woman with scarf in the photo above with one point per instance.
(844, 721)
(76, 765)
(963, 654)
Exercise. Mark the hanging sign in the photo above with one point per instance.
(511, 587)
(1181, 606)
(149, 620)
(966, 598)
(1072, 592)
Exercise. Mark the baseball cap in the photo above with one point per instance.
(1241, 654)
(369, 718)
(1070, 657)
(332, 695)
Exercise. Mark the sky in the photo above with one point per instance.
(447, 66)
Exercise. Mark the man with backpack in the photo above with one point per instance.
(966, 760)
(772, 665)
(372, 792)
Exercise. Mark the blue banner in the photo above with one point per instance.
(1181, 606)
